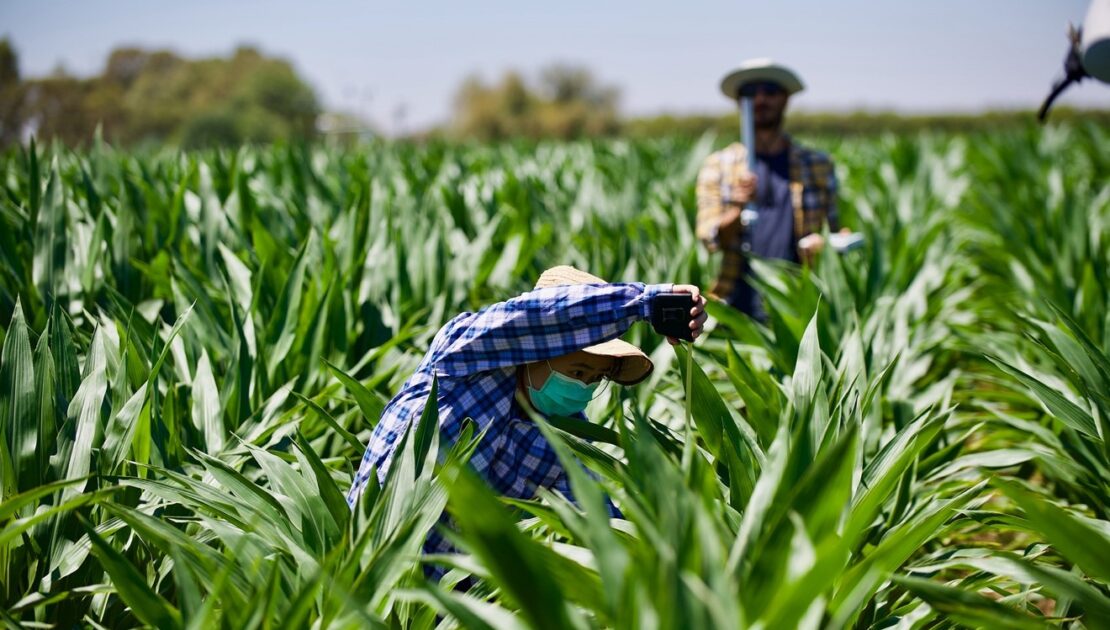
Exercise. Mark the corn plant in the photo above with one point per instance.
(197, 345)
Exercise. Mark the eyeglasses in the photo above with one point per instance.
(770, 88)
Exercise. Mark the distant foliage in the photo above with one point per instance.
(152, 97)
(860, 123)
(157, 96)
(10, 94)
(566, 103)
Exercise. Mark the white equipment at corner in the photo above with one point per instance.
(1088, 53)
(1094, 45)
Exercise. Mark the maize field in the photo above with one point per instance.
(197, 346)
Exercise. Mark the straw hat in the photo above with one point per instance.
(633, 365)
(760, 70)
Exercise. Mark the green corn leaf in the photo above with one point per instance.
(470, 612)
(350, 438)
(48, 412)
(884, 473)
(1062, 408)
(521, 566)
(1062, 584)
(18, 405)
(13, 504)
(84, 419)
(50, 236)
(968, 608)
(1078, 541)
(145, 603)
(326, 486)
(207, 412)
(369, 404)
(121, 430)
(713, 419)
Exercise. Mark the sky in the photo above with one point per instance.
(399, 64)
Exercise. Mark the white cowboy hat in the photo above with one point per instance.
(762, 69)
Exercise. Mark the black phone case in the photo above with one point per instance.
(670, 315)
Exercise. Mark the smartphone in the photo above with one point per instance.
(670, 315)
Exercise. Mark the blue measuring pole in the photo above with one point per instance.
(750, 214)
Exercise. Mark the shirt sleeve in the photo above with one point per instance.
(720, 174)
(543, 324)
(710, 205)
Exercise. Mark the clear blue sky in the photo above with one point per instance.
(373, 57)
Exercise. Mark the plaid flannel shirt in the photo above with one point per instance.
(474, 358)
(813, 196)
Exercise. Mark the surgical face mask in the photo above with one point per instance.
(561, 395)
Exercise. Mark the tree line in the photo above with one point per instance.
(159, 97)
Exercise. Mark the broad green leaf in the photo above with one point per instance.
(1060, 407)
(518, 564)
(322, 413)
(969, 608)
(48, 412)
(18, 405)
(145, 603)
(83, 428)
(207, 412)
(469, 611)
(50, 236)
(370, 405)
(120, 432)
(1075, 539)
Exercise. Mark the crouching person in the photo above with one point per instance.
(554, 345)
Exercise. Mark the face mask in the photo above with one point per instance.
(561, 395)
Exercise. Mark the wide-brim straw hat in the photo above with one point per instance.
(633, 366)
(760, 70)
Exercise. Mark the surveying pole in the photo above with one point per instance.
(750, 214)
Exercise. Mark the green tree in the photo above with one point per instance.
(11, 95)
(158, 96)
(566, 102)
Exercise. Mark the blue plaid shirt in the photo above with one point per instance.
(475, 356)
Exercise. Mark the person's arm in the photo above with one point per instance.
(811, 244)
(710, 207)
(718, 217)
(543, 324)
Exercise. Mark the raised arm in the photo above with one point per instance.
(724, 186)
(710, 206)
(542, 324)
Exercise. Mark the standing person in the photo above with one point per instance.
(793, 187)
(553, 346)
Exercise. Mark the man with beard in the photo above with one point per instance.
(793, 187)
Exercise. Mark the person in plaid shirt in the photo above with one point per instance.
(554, 345)
(793, 187)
